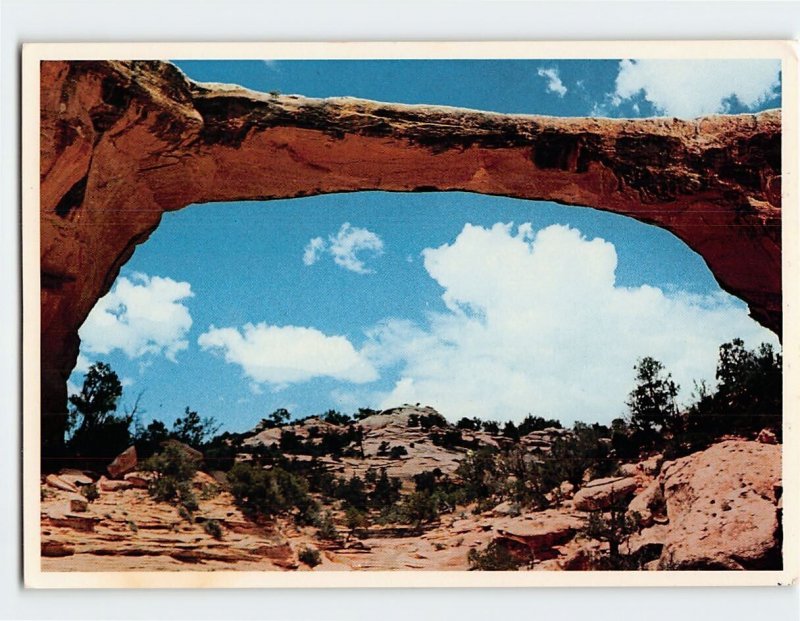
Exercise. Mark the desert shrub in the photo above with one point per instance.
(290, 442)
(174, 469)
(420, 508)
(309, 556)
(428, 480)
(386, 491)
(336, 418)
(449, 439)
(220, 452)
(537, 423)
(352, 491)
(326, 528)
(491, 426)
(510, 431)
(494, 557)
(213, 528)
(428, 421)
(398, 451)
(364, 413)
(209, 491)
(521, 479)
(615, 525)
(355, 520)
(90, 492)
(383, 448)
(269, 492)
(476, 474)
(587, 447)
(469, 424)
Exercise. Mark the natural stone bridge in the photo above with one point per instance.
(124, 142)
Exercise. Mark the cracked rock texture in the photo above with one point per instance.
(124, 142)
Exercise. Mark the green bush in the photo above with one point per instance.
(355, 520)
(270, 492)
(174, 469)
(310, 556)
(326, 528)
(493, 558)
(90, 492)
(213, 528)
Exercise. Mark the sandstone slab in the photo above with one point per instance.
(602, 493)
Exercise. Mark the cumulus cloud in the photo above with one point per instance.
(344, 247)
(314, 248)
(283, 355)
(141, 315)
(536, 323)
(554, 83)
(691, 88)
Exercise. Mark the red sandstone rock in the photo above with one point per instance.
(104, 485)
(649, 504)
(58, 483)
(722, 508)
(767, 436)
(139, 480)
(602, 493)
(124, 463)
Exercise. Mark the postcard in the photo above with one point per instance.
(440, 314)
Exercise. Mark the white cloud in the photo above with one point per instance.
(691, 88)
(141, 315)
(312, 251)
(536, 323)
(344, 247)
(554, 83)
(282, 355)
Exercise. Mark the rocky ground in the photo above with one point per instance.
(715, 509)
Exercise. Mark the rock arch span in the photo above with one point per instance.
(124, 142)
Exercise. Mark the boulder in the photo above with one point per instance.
(649, 504)
(538, 533)
(602, 493)
(78, 504)
(139, 480)
(652, 465)
(629, 470)
(767, 436)
(58, 483)
(75, 477)
(505, 509)
(123, 463)
(722, 508)
(105, 485)
(566, 489)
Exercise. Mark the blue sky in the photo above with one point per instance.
(475, 305)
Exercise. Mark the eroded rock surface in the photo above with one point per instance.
(124, 142)
(722, 506)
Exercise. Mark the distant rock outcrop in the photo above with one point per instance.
(124, 142)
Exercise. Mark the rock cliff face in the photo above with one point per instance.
(124, 142)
